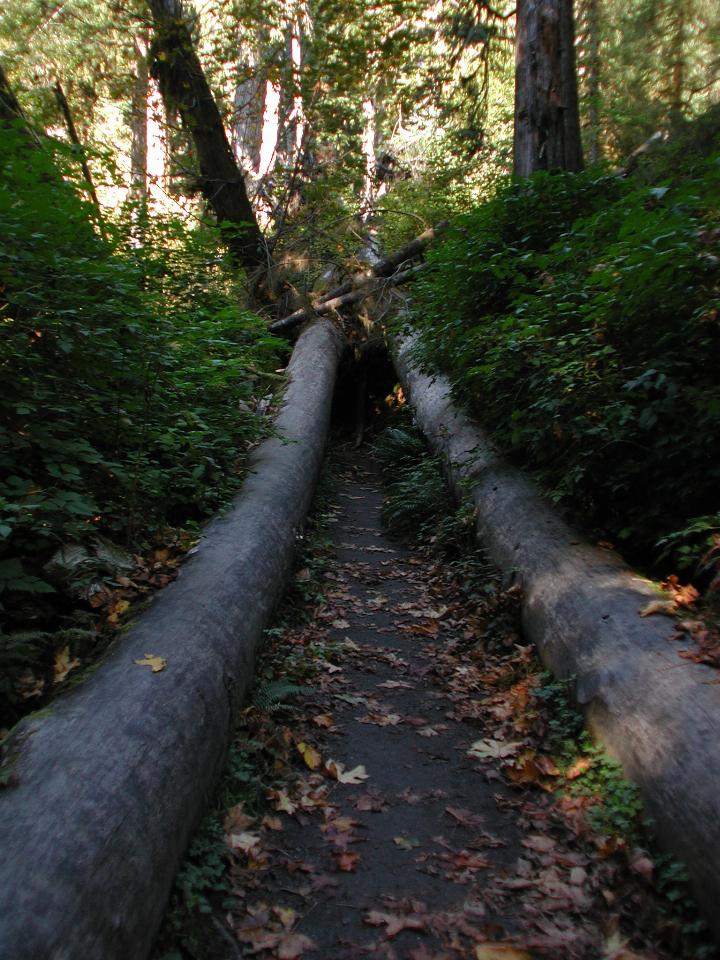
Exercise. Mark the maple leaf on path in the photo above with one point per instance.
(337, 772)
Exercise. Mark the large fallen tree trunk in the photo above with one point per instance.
(384, 267)
(658, 714)
(111, 780)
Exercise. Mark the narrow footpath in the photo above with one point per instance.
(408, 811)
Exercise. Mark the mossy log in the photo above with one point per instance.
(658, 714)
(112, 779)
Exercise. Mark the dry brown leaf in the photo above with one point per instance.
(153, 661)
(393, 922)
(63, 664)
(500, 951)
(337, 772)
(309, 754)
(666, 607)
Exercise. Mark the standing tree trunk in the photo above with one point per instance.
(547, 123)
(139, 124)
(183, 85)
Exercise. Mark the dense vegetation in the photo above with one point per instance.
(577, 317)
(129, 371)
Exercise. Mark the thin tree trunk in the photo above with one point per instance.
(593, 29)
(368, 145)
(183, 85)
(547, 122)
(75, 139)
(139, 124)
(10, 109)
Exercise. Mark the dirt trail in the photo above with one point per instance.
(414, 755)
(425, 852)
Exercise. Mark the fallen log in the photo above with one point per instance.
(385, 267)
(659, 715)
(370, 285)
(112, 779)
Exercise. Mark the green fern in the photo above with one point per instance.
(271, 697)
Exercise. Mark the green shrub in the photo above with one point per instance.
(577, 318)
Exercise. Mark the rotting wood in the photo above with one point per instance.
(657, 714)
(112, 779)
(384, 267)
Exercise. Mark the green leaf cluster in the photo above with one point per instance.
(130, 373)
(577, 318)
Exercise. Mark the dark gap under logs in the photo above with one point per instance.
(366, 379)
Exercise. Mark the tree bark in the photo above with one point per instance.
(658, 715)
(183, 85)
(111, 781)
(547, 121)
(10, 109)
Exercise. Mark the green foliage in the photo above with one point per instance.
(577, 316)
(416, 496)
(129, 371)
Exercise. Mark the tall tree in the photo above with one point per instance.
(547, 123)
(184, 87)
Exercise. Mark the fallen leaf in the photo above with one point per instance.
(578, 768)
(666, 607)
(236, 820)
(347, 861)
(294, 945)
(309, 754)
(340, 624)
(381, 719)
(338, 772)
(500, 951)
(393, 922)
(324, 720)
(151, 660)
(63, 664)
(396, 685)
(539, 843)
(272, 823)
(493, 749)
(465, 817)
(406, 843)
(244, 841)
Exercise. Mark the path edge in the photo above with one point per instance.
(112, 779)
(657, 714)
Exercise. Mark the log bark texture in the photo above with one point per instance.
(659, 715)
(112, 779)
(547, 119)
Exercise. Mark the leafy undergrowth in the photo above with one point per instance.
(578, 317)
(585, 884)
(132, 378)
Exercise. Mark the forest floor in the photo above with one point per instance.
(418, 800)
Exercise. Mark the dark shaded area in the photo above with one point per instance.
(366, 380)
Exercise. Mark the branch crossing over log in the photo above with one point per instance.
(111, 780)
(363, 284)
(369, 286)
